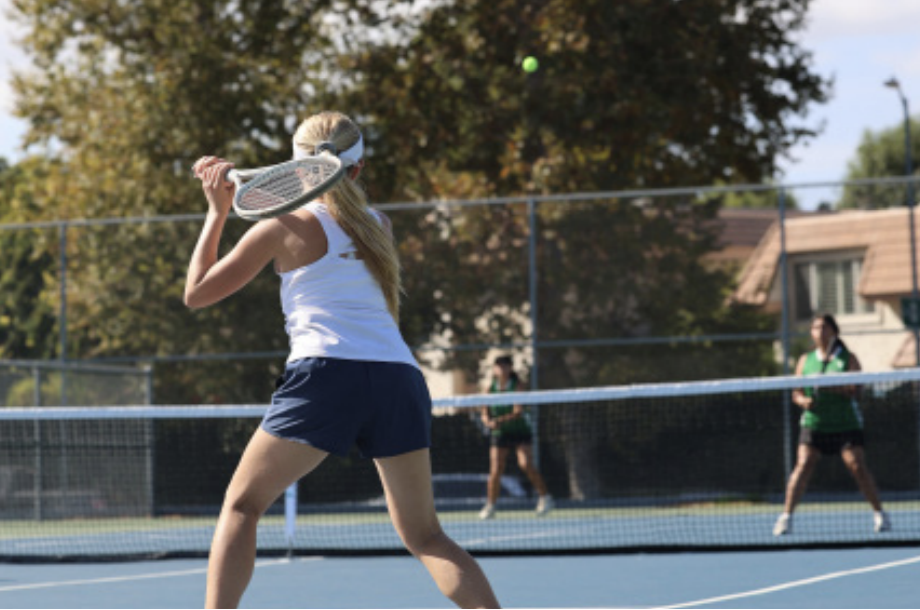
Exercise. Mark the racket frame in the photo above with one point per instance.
(247, 179)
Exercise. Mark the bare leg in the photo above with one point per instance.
(406, 480)
(525, 461)
(497, 458)
(268, 466)
(807, 459)
(855, 460)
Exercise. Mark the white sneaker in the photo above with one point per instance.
(882, 522)
(545, 504)
(487, 512)
(783, 525)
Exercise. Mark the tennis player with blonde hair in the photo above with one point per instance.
(350, 379)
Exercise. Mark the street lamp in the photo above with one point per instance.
(909, 172)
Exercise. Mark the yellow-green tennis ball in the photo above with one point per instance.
(530, 64)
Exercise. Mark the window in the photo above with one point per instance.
(829, 286)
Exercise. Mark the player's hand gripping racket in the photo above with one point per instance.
(266, 192)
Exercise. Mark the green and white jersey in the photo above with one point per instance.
(830, 412)
(514, 427)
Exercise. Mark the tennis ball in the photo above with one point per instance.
(530, 64)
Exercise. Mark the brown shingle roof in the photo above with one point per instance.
(741, 230)
(883, 234)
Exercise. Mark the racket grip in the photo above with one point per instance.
(231, 174)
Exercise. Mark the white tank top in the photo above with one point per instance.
(335, 308)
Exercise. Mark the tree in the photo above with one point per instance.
(629, 94)
(122, 98)
(27, 320)
(758, 199)
(880, 154)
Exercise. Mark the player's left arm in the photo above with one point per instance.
(853, 366)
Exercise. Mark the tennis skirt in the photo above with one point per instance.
(382, 408)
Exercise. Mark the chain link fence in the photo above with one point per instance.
(583, 289)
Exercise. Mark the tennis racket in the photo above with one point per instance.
(266, 192)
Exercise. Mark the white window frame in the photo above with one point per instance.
(812, 260)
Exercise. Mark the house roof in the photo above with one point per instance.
(883, 234)
(741, 230)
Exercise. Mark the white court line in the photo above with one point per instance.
(111, 579)
(529, 536)
(798, 583)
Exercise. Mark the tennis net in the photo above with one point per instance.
(679, 466)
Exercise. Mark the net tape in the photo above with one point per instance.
(577, 395)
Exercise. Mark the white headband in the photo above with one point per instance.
(349, 157)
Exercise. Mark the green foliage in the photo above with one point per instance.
(27, 321)
(125, 95)
(768, 199)
(880, 154)
(628, 94)
(27, 275)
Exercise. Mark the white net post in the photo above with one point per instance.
(290, 516)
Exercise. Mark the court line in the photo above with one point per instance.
(508, 537)
(798, 583)
(149, 576)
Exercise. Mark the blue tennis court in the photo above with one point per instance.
(854, 578)
(693, 527)
(682, 515)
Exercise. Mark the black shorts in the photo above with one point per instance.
(512, 441)
(830, 443)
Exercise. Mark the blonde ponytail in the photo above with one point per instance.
(347, 203)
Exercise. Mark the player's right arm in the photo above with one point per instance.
(486, 418)
(211, 278)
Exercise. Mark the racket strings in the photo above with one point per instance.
(277, 188)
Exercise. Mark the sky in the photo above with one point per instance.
(859, 43)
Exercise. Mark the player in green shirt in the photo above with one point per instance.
(831, 423)
(509, 429)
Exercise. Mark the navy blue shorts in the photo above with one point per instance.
(382, 407)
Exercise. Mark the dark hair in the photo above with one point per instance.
(506, 360)
(830, 321)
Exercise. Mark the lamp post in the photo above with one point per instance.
(909, 171)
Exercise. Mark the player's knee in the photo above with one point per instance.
(855, 467)
(807, 462)
(424, 542)
(243, 506)
(802, 472)
(496, 468)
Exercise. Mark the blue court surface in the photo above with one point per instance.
(846, 578)
(601, 529)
